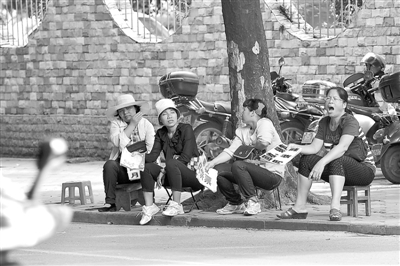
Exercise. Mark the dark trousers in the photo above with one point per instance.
(247, 176)
(354, 172)
(113, 174)
(178, 175)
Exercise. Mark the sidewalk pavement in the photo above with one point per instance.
(384, 220)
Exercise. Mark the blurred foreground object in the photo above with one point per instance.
(24, 220)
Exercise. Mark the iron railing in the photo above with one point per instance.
(321, 18)
(153, 20)
(18, 19)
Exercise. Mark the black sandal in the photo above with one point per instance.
(292, 214)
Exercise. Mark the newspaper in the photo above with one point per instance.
(207, 179)
(280, 154)
(133, 162)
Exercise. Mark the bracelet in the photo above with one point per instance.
(162, 171)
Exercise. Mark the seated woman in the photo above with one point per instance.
(127, 127)
(260, 133)
(178, 143)
(335, 133)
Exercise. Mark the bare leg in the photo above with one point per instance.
(176, 196)
(336, 182)
(303, 187)
(148, 198)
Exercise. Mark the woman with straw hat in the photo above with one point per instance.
(178, 143)
(127, 127)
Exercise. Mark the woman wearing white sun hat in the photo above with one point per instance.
(178, 143)
(127, 127)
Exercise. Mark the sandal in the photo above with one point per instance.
(292, 214)
(335, 215)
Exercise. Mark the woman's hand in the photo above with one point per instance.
(136, 118)
(160, 179)
(209, 165)
(293, 146)
(317, 170)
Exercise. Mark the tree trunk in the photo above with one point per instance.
(249, 77)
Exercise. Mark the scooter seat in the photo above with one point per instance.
(288, 104)
(368, 111)
(287, 96)
(222, 107)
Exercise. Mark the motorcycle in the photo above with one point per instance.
(294, 115)
(387, 149)
(215, 130)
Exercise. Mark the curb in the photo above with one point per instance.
(206, 219)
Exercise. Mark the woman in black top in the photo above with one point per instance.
(178, 143)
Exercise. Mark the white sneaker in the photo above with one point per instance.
(231, 209)
(173, 209)
(252, 208)
(148, 212)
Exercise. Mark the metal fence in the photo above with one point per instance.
(153, 20)
(321, 18)
(18, 19)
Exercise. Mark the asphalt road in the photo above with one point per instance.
(94, 244)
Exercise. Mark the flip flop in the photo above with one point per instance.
(292, 214)
(335, 215)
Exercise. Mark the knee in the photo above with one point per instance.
(171, 164)
(238, 165)
(110, 164)
(336, 163)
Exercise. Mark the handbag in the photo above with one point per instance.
(245, 152)
(358, 148)
(139, 146)
(133, 162)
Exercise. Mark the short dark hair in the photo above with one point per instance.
(254, 105)
(342, 93)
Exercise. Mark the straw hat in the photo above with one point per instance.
(126, 100)
(163, 105)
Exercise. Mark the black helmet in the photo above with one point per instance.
(375, 60)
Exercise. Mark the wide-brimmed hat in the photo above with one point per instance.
(163, 105)
(126, 100)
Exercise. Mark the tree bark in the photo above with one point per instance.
(249, 77)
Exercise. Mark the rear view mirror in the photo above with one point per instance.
(281, 61)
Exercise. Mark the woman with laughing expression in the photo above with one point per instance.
(335, 133)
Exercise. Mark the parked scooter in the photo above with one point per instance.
(215, 131)
(294, 116)
(387, 149)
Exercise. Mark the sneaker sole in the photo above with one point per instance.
(250, 214)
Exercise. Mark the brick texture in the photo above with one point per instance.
(78, 61)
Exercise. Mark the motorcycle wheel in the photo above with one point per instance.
(390, 164)
(292, 132)
(207, 135)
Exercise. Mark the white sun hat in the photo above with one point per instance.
(165, 104)
(126, 100)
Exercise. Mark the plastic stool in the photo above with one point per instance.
(352, 199)
(71, 192)
(127, 195)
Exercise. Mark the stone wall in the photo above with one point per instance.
(79, 60)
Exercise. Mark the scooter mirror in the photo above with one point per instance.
(281, 61)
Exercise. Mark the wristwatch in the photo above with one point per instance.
(162, 171)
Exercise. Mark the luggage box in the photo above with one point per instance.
(389, 86)
(179, 83)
